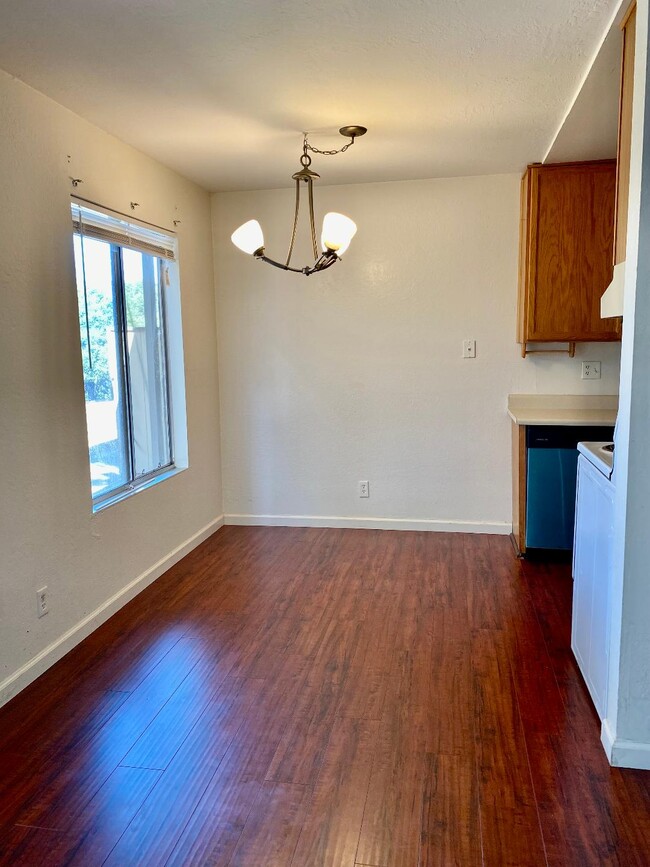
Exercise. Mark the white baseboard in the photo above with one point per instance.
(498, 528)
(607, 739)
(21, 678)
(623, 753)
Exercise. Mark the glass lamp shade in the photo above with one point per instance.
(338, 231)
(248, 237)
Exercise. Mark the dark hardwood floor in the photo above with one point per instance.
(312, 697)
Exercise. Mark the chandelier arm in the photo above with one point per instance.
(310, 184)
(295, 223)
(329, 259)
(326, 261)
(263, 258)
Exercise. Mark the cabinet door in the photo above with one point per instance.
(568, 259)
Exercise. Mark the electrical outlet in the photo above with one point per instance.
(41, 602)
(364, 489)
(591, 370)
(469, 349)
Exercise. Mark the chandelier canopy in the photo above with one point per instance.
(338, 230)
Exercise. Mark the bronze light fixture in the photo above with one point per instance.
(338, 230)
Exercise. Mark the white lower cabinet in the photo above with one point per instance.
(592, 557)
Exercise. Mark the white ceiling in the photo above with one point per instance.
(590, 131)
(220, 89)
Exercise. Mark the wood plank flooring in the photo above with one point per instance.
(289, 697)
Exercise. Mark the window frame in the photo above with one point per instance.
(136, 482)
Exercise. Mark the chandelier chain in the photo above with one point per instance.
(315, 150)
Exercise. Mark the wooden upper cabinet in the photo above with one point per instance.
(628, 27)
(566, 252)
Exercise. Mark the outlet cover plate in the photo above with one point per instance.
(591, 370)
(41, 602)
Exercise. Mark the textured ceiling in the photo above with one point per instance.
(219, 90)
(590, 131)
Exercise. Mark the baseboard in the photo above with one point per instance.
(21, 678)
(623, 753)
(495, 528)
(607, 739)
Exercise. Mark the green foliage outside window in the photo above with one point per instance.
(97, 378)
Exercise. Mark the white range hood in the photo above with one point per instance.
(611, 302)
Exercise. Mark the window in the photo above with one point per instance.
(123, 274)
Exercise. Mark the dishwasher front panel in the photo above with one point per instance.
(550, 502)
(552, 462)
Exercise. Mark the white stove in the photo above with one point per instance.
(592, 567)
(601, 455)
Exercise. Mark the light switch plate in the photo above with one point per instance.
(469, 349)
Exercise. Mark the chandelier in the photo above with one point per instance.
(338, 230)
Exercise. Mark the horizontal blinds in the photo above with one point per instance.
(119, 230)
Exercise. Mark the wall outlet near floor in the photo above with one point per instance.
(591, 370)
(42, 606)
(364, 489)
(469, 349)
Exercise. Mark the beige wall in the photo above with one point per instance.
(357, 373)
(48, 534)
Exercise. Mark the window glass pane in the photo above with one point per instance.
(121, 294)
(102, 365)
(143, 300)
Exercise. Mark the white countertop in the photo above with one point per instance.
(563, 409)
(602, 460)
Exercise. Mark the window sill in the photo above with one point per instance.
(122, 495)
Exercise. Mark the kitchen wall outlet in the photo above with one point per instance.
(469, 349)
(42, 602)
(364, 489)
(591, 370)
